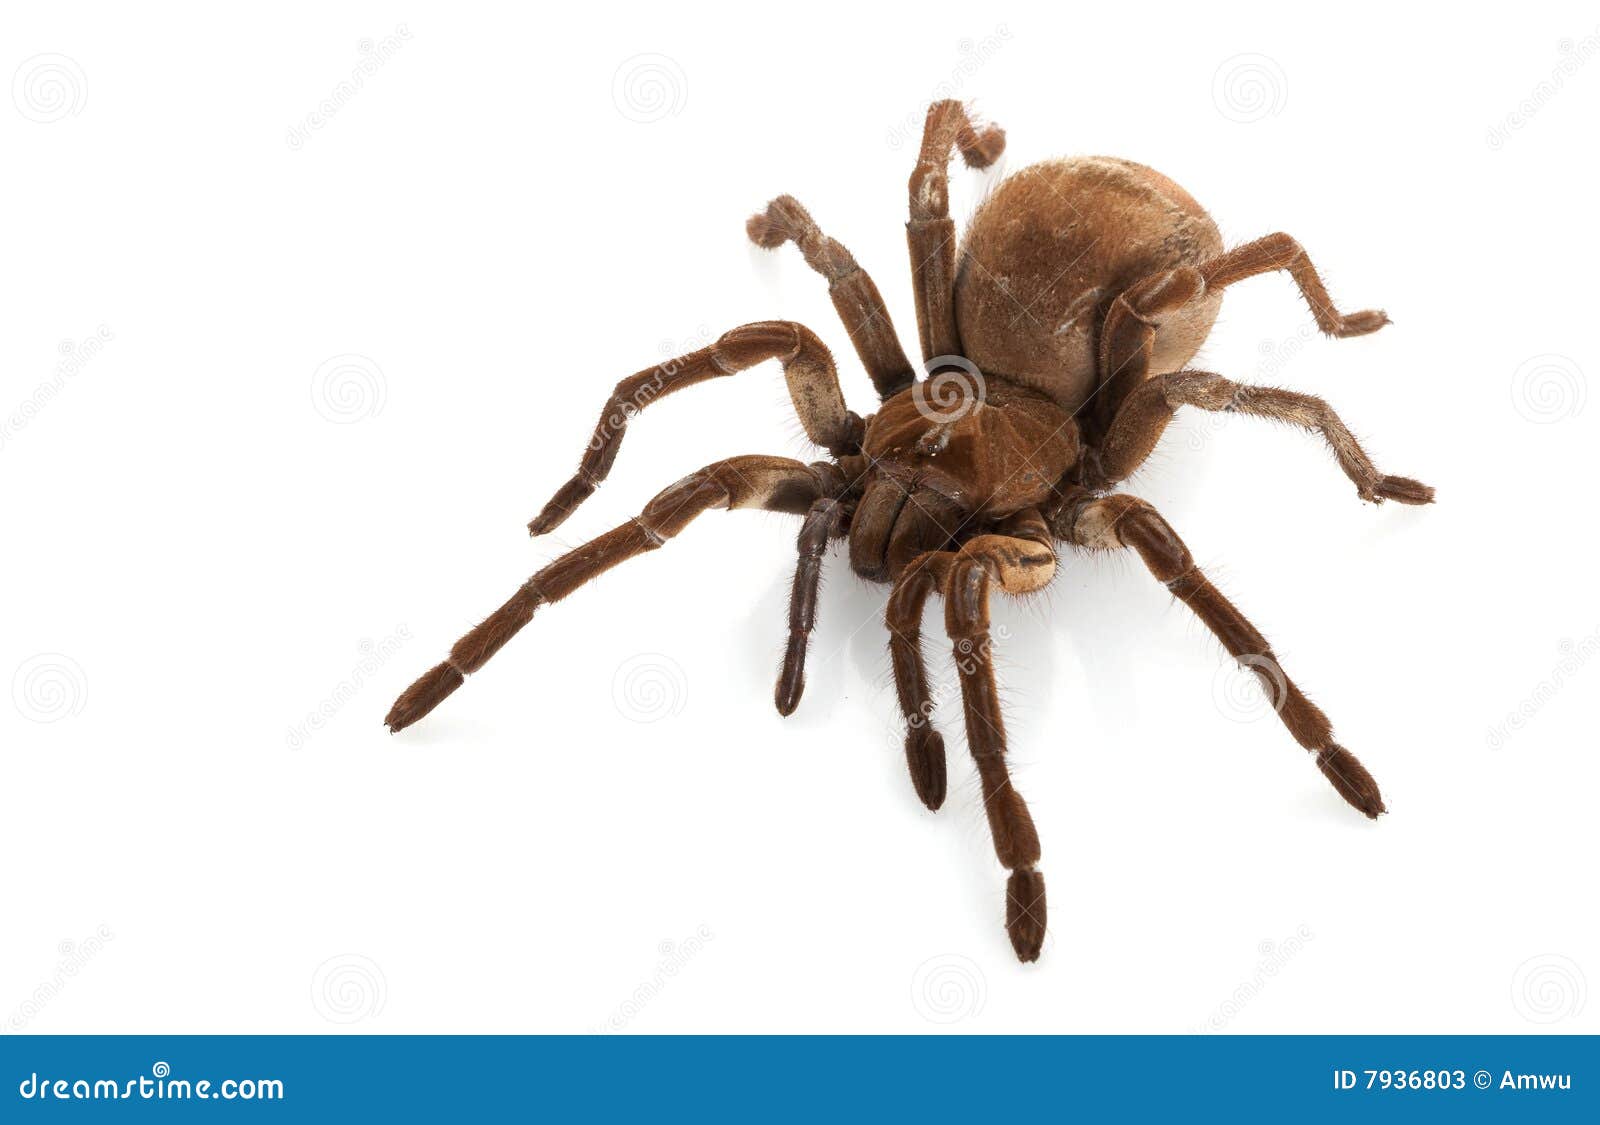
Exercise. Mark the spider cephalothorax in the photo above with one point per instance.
(1054, 345)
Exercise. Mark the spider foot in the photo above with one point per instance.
(1403, 490)
(783, 220)
(1360, 323)
(567, 497)
(925, 758)
(423, 696)
(1025, 913)
(792, 680)
(982, 149)
(1351, 779)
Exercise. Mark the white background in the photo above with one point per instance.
(206, 545)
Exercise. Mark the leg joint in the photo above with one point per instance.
(1159, 546)
(967, 599)
(653, 538)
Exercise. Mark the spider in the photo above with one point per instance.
(1054, 343)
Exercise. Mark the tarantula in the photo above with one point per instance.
(1054, 343)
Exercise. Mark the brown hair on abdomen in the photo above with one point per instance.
(1050, 249)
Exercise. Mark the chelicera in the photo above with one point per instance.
(1054, 343)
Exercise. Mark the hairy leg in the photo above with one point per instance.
(1146, 410)
(924, 745)
(856, 298)
(1128, 334)
(822, 524)
(1016, 841)
(773, 483)
(807, 368)
(1281, 252)
(930, 233)
(1125, 521)
(1023, 560)
(1020, 564)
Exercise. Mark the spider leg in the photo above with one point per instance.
(1127, 337)
(925, 756)
(1126, 521)
(807, 368)
(822, 523)
(930, 233)
(1024, 560)
(1147, 409)
(856, 298)
(1019, 557)
(1281, 252)
(773, 483)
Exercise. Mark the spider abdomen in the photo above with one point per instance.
(1052, 247)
